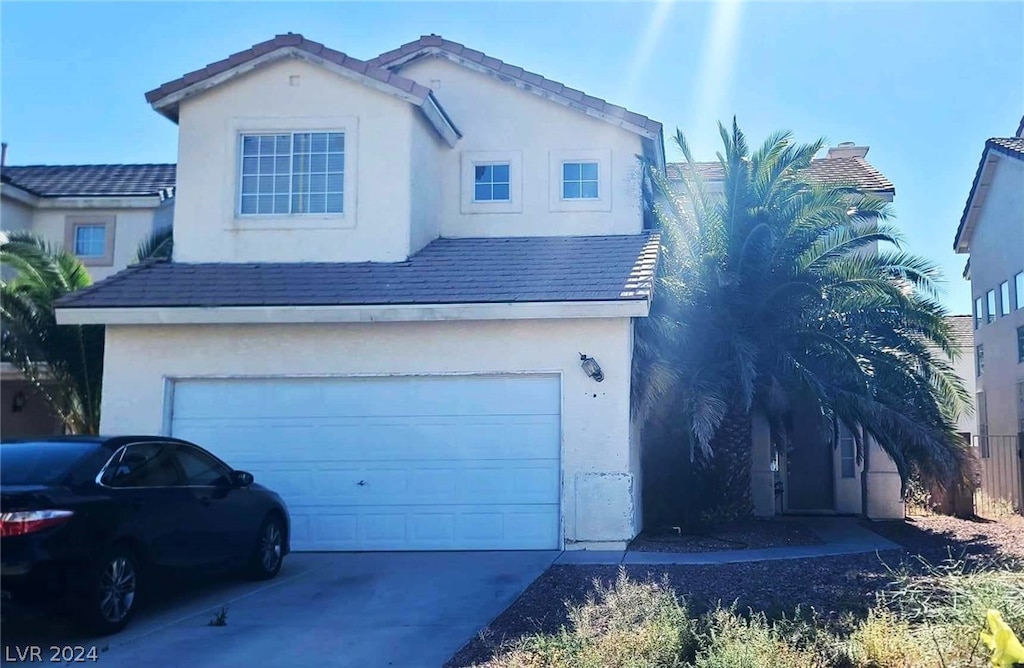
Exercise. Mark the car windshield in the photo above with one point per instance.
(40, 462)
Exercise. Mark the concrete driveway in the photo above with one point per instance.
(339, 609)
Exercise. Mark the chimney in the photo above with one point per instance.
(848, 149)
(3, 154)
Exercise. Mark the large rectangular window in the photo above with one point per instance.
(294, 173)
(990, 311)
(1004, 298)
(1018, 281)
(979, 312)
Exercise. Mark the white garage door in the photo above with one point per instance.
(414, 463)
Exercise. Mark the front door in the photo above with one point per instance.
(809, 474)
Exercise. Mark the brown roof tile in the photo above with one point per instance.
(856, 172)
(433, 41)
(446, 271)
(285, 41)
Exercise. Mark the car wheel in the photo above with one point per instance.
(269, 552)
(110, 599)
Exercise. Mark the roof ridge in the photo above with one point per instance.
(509, 70)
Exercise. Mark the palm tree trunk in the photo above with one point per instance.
(729, 468)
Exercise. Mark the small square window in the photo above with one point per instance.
(91, 240)
(580, 180)
(491, 182)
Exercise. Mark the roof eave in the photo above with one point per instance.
(976, 199)
(651, 129)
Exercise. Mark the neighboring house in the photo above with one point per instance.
(814, 476)
(99, 212)
(992, 231)
(385, 273)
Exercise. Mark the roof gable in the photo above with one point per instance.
(995, 149)
(436, 46)
(167, 97)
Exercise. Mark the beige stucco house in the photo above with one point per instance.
(99, 212)
(402, 295)
(815, 475)
(991, 231)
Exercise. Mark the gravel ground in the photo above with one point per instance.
(746, 535)
(830, 585)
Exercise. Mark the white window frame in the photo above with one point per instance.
(232, 184)
(1018, 285)
(979, 312)
(603, 201)
(291, 174)
(990, 306)
(492, 182)
(847, 452)
(109, 223)
(580, 181)
(1004, 298)
(470, 160)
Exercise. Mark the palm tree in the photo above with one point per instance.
(63, 362)
(158, 245)
(775, 293)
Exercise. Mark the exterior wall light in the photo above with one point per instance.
(591, 367)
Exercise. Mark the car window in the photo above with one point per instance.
(44, 462)
(145, 465)
(200, 468)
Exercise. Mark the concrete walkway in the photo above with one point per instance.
(839, 535)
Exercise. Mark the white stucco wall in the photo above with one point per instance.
(131, 228)
(425, 176)
(14, 216)
(494, 116)
(293, 95)
(997, 254)
(600, 466)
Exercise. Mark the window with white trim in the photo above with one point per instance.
(91, 240)
(1004, 298)
(979, 360)
(580, 180)
(990, 312)
(292, 173)
(979, 312)
(1018, 281)
(492, 182)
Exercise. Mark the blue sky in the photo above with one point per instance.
(924, 84)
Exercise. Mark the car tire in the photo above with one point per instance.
(268, 552)
(111, 595)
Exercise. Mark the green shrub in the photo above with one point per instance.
(730, 640)
(885, 641)
(626, 624)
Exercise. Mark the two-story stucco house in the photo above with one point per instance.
(385, 274)
(101, 213)
(991, 231)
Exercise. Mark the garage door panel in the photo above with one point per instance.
(444, 462)
(270, 439)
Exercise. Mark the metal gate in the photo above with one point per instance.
(1002, 488)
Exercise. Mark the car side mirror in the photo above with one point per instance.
(241, 478)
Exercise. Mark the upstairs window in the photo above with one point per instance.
(979, 360)
(1020, 345)
(492, 182)
(91, 240)
(990, 313)
(294, 173)
(979, 312)
(1004, 298)
(580, 180)
(1019, 285)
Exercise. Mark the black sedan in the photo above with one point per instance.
(95, 521)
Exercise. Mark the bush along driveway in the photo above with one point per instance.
(869, 609)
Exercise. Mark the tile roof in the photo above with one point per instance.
(852, 171)
(435, 43)
(446, 271)
(294, 41)
(1011, 146)
(90, 180)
